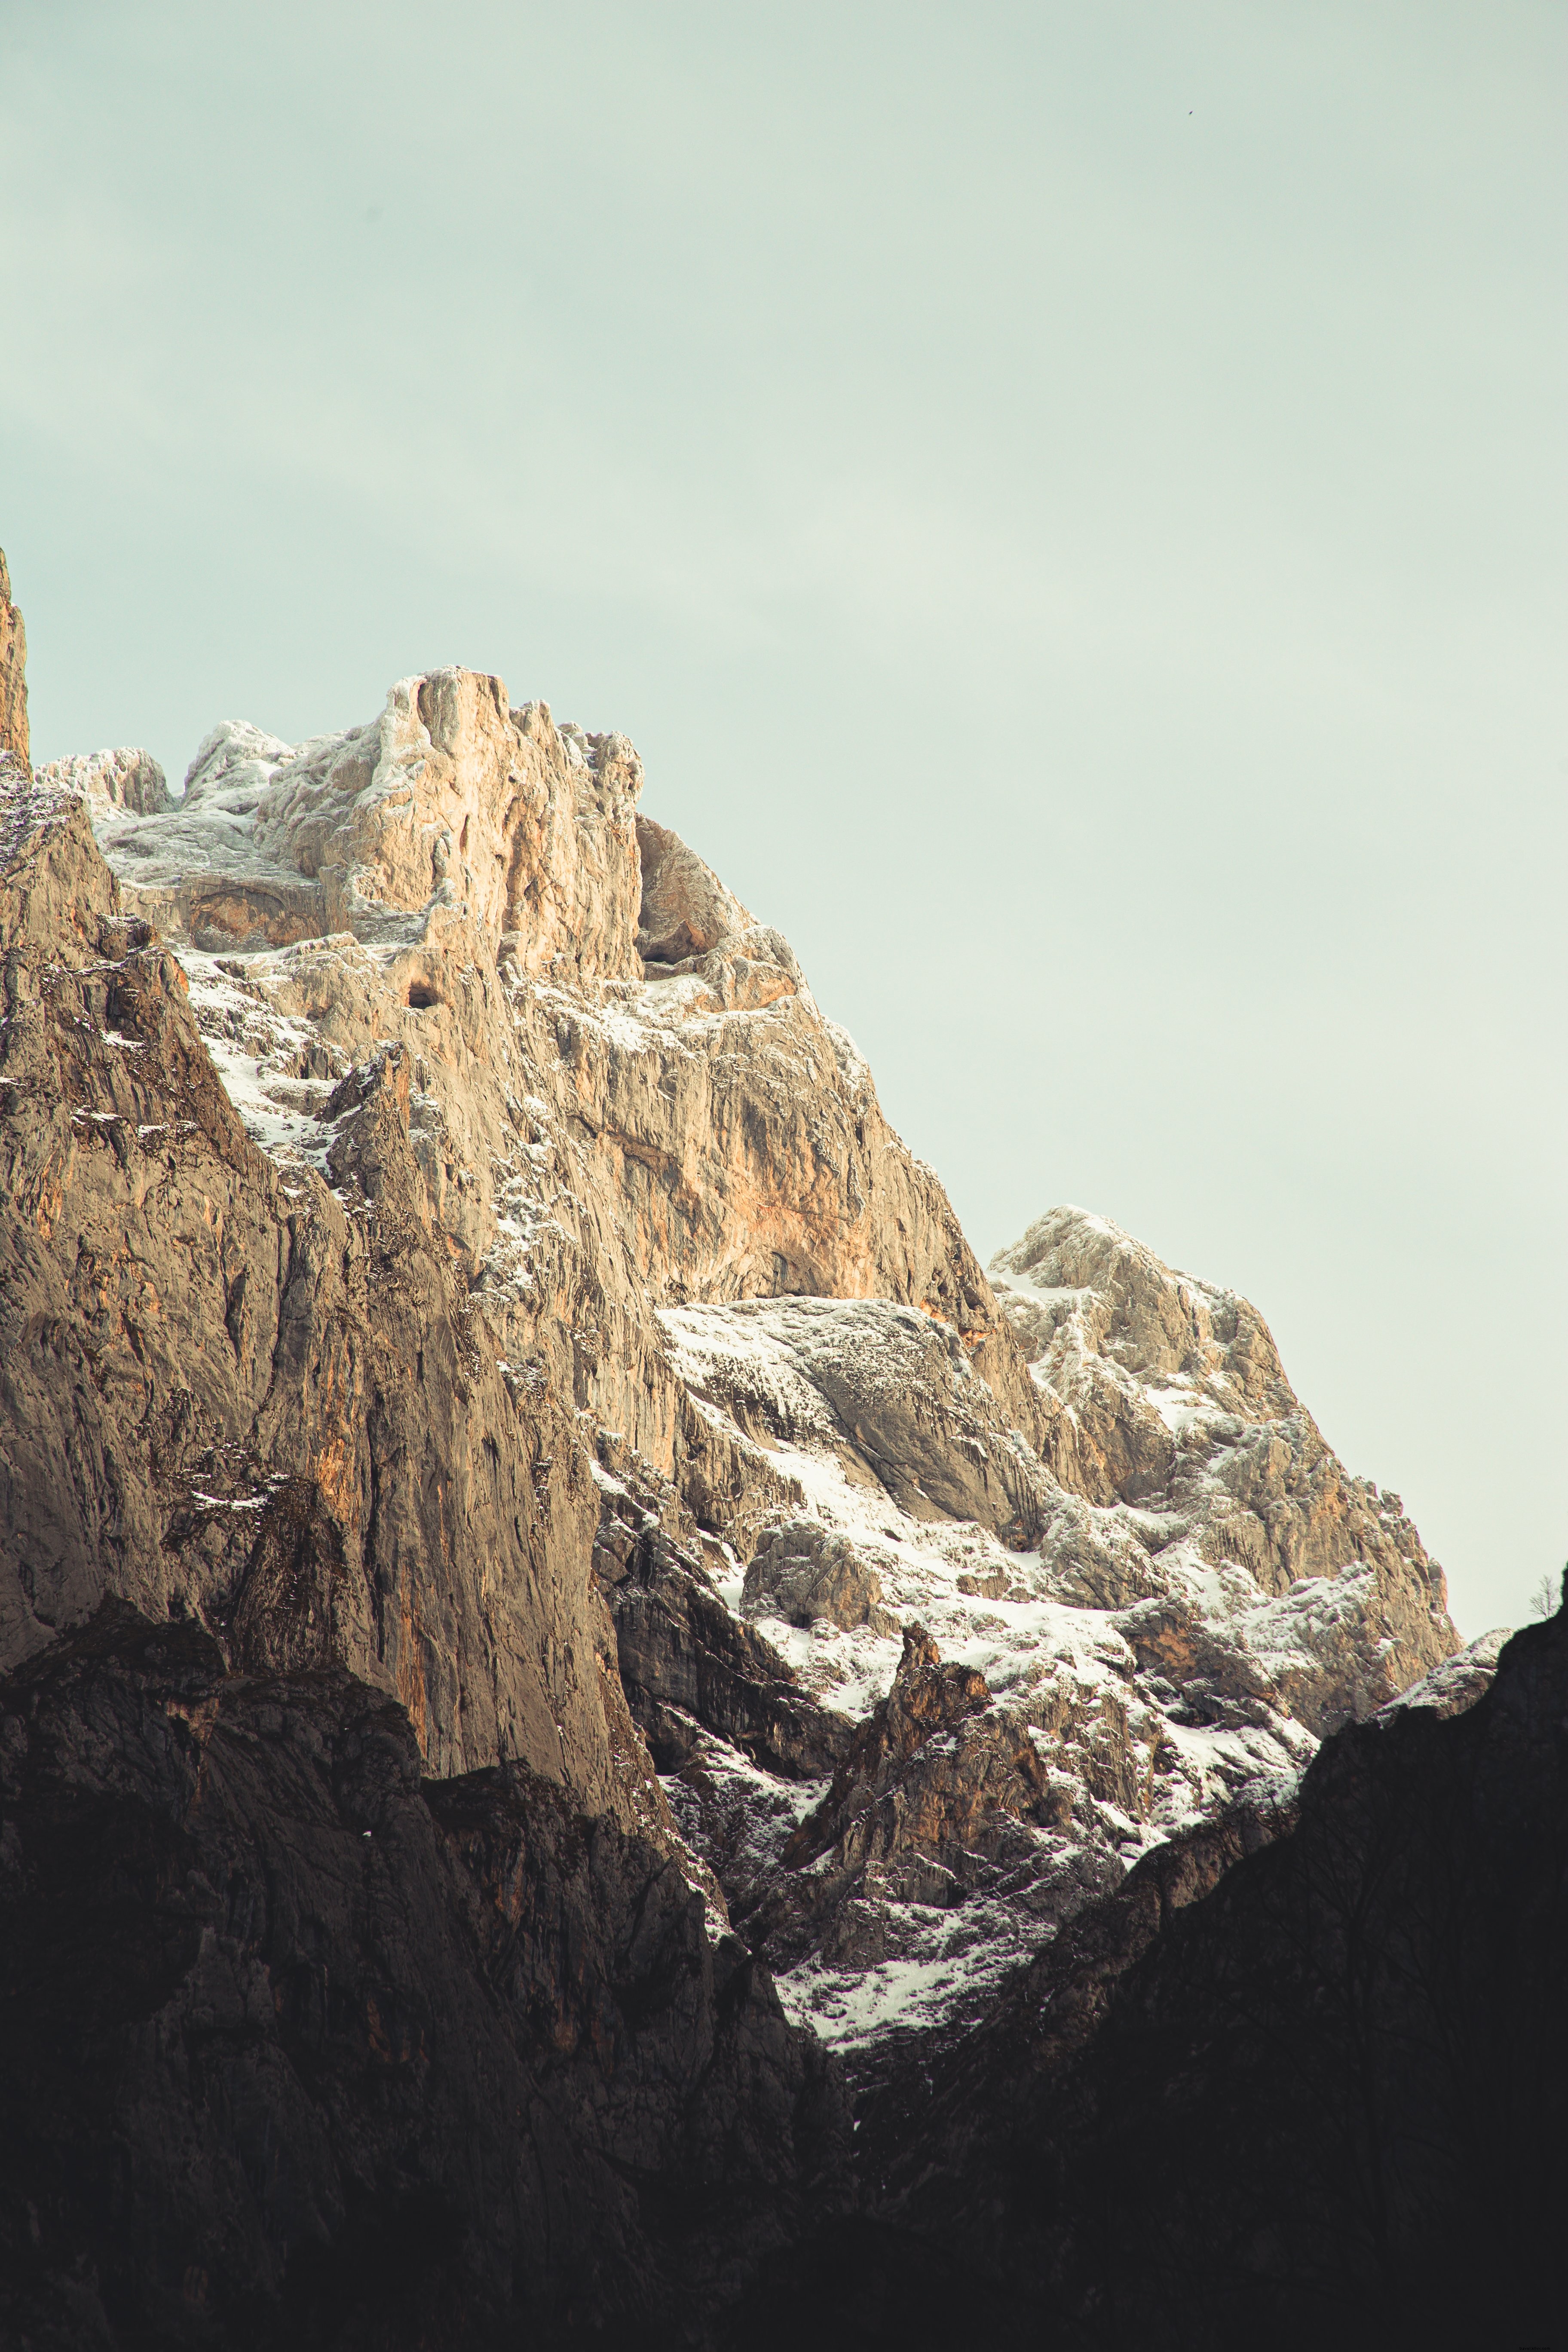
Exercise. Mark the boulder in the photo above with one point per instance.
(802, 1571)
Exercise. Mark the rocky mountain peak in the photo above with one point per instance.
(562, 1097)
(453, 1257)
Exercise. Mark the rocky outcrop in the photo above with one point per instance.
(803, 1573)
(338, 1393)
(599, 1134)
(1139, 1679)
(1168, 1400)
(890, 1390)
(232, 1393)
(689, 1668)
(942, 1805)
(14, 739)
(297, 2047)
(691, 927)
(112, 780)
(684, 911)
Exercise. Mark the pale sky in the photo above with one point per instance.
(1069, 500)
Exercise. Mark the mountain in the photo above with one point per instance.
(559, 1628)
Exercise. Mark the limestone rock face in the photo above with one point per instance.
(803, 1573)
(448, 799)
(108, 781)
(890, 1390)
(1138, 1679)
(1174, 1404)
(926, 1811)
(593, 1140)
(477, 1367)
(230, 1393)
(684, 910)
(14, 734)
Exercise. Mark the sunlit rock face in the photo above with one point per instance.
(1181, 1418)
(14, 730)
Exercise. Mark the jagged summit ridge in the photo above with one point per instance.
(438, 1109)
(129, 779)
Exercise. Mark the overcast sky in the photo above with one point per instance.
(1069, 499)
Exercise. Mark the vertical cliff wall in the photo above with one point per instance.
(14, 737)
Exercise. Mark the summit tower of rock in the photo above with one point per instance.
(14, 737)
(488, 1403)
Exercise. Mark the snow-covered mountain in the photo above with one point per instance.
(1076, 1504)
(515, 1486)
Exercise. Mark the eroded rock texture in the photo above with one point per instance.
(546, 1160)
(1140, 1670)
(1175, 1406)
(261, 1403)
(109, 781)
